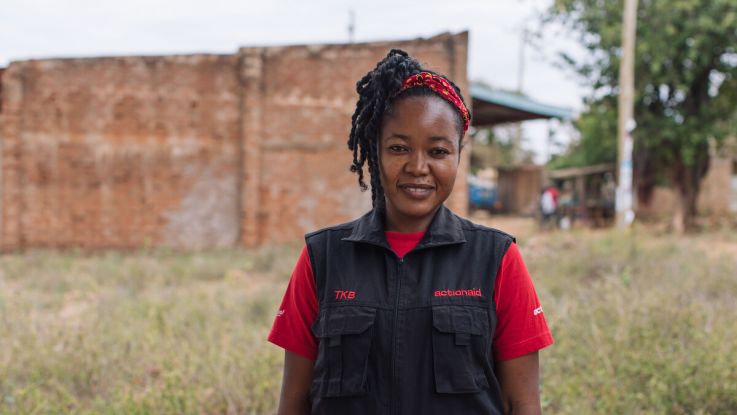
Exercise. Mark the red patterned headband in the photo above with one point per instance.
(441, 87)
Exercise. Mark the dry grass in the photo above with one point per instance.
(144, 333)
(644, 324)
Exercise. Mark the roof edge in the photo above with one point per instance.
(519, 102)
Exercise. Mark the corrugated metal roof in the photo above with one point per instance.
(496, 107)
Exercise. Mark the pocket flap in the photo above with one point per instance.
(337, 321)
(459, 319)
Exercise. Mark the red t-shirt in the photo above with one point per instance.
(521, 326)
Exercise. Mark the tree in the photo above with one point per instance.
(498, 147)
(685, 82)
(598, 136)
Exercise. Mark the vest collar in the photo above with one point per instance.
(445, 229)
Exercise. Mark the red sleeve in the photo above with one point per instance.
(521, 326)
(298, 310)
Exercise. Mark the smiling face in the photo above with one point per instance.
(418, 158)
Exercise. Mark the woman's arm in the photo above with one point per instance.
(295, 388)
(520, 383)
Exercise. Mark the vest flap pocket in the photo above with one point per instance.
(344, 320)
(459, 319)
(345, 335)
(459, 344)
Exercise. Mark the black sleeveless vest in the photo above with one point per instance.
(411, 335)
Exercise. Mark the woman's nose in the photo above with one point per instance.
(417, 164)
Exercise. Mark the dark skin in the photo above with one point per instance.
(295, 388)
(520, 382)
(419, 152)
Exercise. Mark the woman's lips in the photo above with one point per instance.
(417, 191)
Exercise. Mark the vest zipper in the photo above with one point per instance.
(395, 381)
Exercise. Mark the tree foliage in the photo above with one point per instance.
(598, 140)
(499, 147)
(685, 83)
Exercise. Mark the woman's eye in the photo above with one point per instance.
(396, 149)
(439, 152)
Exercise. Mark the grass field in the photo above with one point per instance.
(644, 324)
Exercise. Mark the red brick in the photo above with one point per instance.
(189, 151)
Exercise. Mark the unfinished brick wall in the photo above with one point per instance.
(714, 197)
(121, 152)
(189, 151)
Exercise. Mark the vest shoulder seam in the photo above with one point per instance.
(489, 230)
(467, 225)
(340, 227)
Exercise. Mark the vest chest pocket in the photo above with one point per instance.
(345, 335)
(459, 340)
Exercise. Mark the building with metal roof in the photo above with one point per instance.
(493, 107)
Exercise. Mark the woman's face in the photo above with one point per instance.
(418, 158)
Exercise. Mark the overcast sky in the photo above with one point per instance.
(74, 28)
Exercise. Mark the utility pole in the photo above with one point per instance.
(351, 25)
(626, 122)
(520, 76)
(521, 59)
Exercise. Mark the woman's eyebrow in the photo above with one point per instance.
(399, 136)
(441, 138)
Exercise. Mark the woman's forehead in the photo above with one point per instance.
(428, 111)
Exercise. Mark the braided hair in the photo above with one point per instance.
(377, 91)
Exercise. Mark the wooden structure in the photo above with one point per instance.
(518, 186)
(587, 193)
(519, 189)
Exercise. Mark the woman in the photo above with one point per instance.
(409, 309)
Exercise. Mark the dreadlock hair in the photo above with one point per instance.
(376, 94)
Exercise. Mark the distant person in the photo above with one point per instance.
(549, 206)
(409, 309)
(608, 196)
